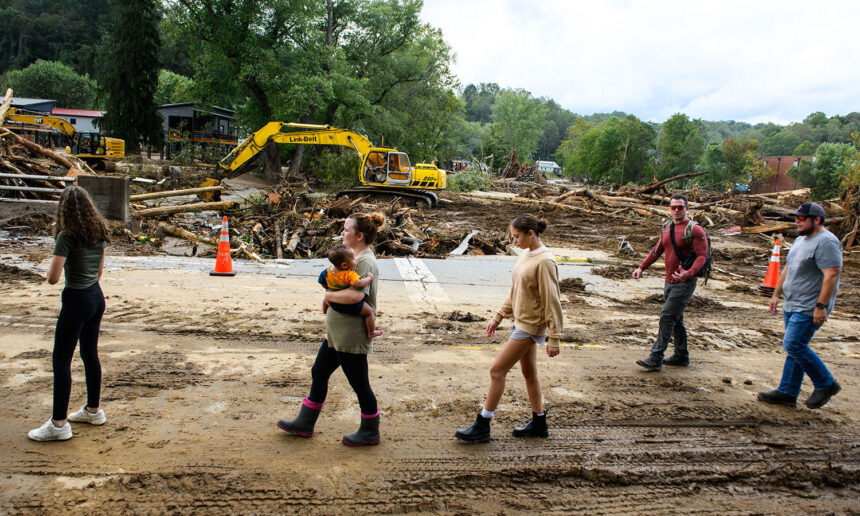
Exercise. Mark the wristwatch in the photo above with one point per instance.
(820, 305)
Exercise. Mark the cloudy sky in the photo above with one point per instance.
(753, 60)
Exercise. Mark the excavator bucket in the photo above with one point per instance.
(209, 196)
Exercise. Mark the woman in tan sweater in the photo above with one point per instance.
(534, 302)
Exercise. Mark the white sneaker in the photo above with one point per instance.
(49, 432)
(85, 416)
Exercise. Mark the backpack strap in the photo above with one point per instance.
(688, 231)
(675, 244)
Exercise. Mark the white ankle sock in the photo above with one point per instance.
(541, 414)
(486, 414)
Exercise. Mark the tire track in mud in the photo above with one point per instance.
(654, 461)
(597, 467)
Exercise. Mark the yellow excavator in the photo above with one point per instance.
(383, 170)
(93, 148)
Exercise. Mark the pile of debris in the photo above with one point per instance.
(515, 171)
(288, 223)
(744, 213)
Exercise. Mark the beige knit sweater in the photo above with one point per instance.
(535, 300)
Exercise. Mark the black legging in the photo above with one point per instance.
(354, 367)
(80, 318)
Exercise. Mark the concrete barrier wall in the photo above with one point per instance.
(109, 194)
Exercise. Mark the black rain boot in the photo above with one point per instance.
(534, 428)
(479, 432)
(367, 434)
(303, 424)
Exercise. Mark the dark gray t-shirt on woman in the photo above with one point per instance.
(82, 262)
(803, 276)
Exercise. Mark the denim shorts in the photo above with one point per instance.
(517, 334)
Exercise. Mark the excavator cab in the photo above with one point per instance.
(387, 168)
(399, 169)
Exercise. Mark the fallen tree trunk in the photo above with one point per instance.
(536, 202)
(767, 228)
(654, 186)
(7, 102)
(173, 193)
(279, 250)
(800, 191)
(185, 234)
(250, 254)
(186, 208)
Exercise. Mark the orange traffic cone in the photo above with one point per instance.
(223, 263)
(772, 275)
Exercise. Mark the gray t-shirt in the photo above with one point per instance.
(82, 262)
(348, 333)
(803, 276)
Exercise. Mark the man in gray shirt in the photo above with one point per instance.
(809, 281)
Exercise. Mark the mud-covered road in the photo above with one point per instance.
(197, 370)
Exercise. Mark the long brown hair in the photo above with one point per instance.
(78, 218)
(368, 224)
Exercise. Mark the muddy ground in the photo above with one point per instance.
(197, 370)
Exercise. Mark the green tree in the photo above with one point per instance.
(804, 148)
(173, 88)
(740, 160)
(680, 145)
(517, 122)
(479, 101)
(567, 153)
(615, 151)
(557, 121)
(54, 80)
(714, 161)
(129, 83)
(780, 143)
(52, 30)
(831, 166)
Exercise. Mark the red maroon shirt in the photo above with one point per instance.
(700, 245)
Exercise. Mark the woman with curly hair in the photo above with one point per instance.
(81, 234)
(347, 343)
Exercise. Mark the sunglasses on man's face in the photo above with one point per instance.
(800, 218)
(677, 208)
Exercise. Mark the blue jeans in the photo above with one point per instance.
(799, 329)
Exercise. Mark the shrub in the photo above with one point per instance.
(468, 180)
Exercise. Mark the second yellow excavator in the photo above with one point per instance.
(93, 148)
(383, 170)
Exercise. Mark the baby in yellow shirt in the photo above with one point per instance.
(340, 276)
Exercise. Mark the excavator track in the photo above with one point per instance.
(430, 198)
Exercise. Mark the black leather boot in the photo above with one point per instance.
(303, 424)
(775, 397)
(534, 428)
(820, 397)
(479, 432)
(367, 434)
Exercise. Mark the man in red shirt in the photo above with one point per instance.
(679, 286)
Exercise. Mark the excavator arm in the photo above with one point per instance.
(41, 120)
(237, 161)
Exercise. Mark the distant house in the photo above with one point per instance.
(198, 125)
(548, 167)
(40, 105)
(780, 182)
(84, 120)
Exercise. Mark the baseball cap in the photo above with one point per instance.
(809, 209)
